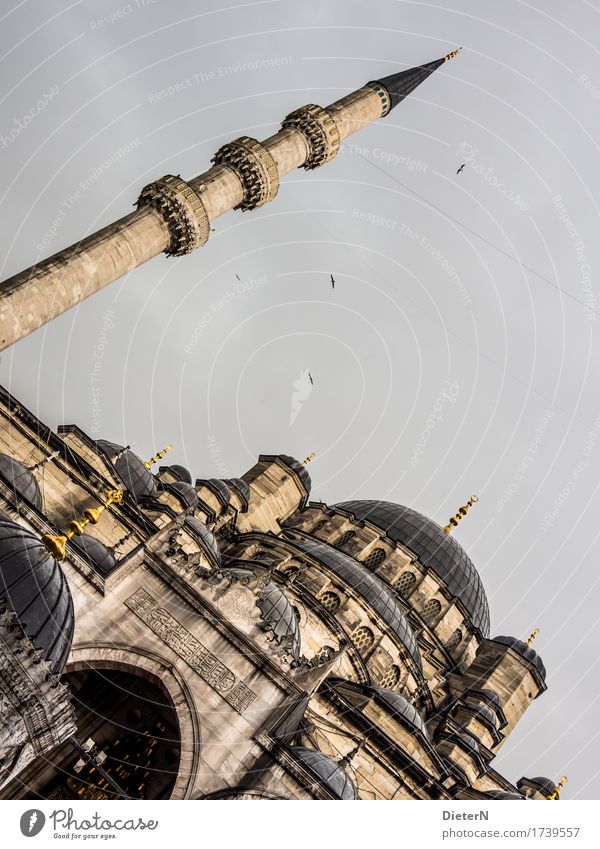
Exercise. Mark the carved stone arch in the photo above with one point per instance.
(149, 665)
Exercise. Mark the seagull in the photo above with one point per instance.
(310, 378)
(238, 276)
(461, 167)
(332, 281)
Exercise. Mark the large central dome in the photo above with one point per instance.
(434, 549)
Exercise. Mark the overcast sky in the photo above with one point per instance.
(458, 353)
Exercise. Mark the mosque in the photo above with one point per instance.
(170, 637)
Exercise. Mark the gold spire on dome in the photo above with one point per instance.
(462, 512)
(453, 54)
(149, 463)
(532, 637)
(56, 545)
(307, 460)
(556, 792)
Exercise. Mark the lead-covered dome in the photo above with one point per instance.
(329, 773)
(137, 479)
(95, 553)
(34, 587)
(401, 708)
(21, 480)
(525, 651)
(207, 537)
(434, 549)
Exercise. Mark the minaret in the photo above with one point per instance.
(174, 216)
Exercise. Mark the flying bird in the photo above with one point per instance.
(461, 167)
(310, 378)
(238, 276)
(332, 281)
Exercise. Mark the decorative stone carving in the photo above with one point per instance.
(182, 210)
(320, 131)
(255, 167)
(190, 649)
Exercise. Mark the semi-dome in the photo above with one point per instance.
(218, 488)
(21, 480)
(329, 773)
(367, 585)
(206, 536)
(181, 473)
(281, 617)
(401, 708)
(34, 587)
(185, 492)
(95, 553)
(137, 479)
(434, 549)
(525, 651)
(242, 489)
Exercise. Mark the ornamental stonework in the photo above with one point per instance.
(182, 211)
(189, 648)
(319, 130)
(255, 167)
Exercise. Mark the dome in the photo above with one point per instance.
(21, 480)
(218, 488)
(469, 742)
(434, 549)
(329, 773)
(241, 488)
(367, 585)
(185, 492)
(95, 553)
(34, 587)
(207, 537)
(503, 794)
(525, 651)
(281, 617)
(400, 707)
(137, 479)
(486, 715)
(545, 785)
(180, 472)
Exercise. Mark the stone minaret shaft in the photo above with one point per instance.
(174, 216)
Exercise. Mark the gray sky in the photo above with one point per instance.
(443, 365)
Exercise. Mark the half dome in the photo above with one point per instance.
(137, 479)
(21, 480)
(328, 771)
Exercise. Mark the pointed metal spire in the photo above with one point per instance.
(532, 637)
(393, 89)
(556, 792)
(462, 512)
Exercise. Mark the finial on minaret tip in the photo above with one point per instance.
(462, 512)
(45, 460)
(556, 792)
(158, 456)
(532, 637)
(453, 54)
(56, 545)
(307, 460)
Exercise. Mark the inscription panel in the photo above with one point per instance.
(189, 648)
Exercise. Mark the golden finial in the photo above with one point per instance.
(56, 545)
(532, 637)
(307, 460)
(452, 55)
(43, 462)
(149, 463)
(556, 792)
(462, 512)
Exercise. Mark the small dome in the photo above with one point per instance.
(95, 553)
(469, 742)
(434, 549)
(241, 488)
(21, 480)
(281, 617)
(367, 585)
(327, 771)
(401, 708)
(181, 473)
(207, 537)
(218, 488)
(185, 492)
(525, 651)
(503, 794)
(34, 587)
(137, 479)
(486, 715)
(545, 785)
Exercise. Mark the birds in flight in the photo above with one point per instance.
(461, 167)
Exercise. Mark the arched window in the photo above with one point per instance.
(375, 558)
(406, 583)
(455, 640)
(330, 601)
(363, 638)
(345, 538)
(432, 610)
(390, 678)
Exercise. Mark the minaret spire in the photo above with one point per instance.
(175, 216)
